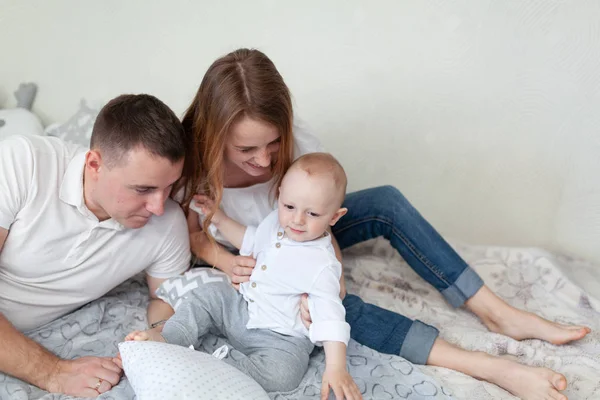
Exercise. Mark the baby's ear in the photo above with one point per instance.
(338, 214)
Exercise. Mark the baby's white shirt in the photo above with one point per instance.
(286, 269)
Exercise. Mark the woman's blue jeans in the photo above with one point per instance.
(384, 211)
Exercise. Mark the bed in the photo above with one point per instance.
(558, 287)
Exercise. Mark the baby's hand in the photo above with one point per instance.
(140, 336)
(137, 336)
(204, 205)
(342, 384)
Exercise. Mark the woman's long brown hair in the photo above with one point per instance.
(244, 83)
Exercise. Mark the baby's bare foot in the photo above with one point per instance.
(528, 383)
(152, 335)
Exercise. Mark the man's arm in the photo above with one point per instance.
(25, 359)
(3, 236)
(173, 259)
(21, 357)
(158, 310)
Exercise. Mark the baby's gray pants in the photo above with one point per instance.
(277, 362)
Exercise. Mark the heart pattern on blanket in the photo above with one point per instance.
(403, 391)
(70, 330)
(403, 366)
(379, 392)
(559, 297)
(426, 389)
(381, 371)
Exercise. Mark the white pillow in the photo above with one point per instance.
(19, 121)
(162, 371)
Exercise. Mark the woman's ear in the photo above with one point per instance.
(338, 214)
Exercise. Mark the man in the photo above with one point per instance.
(74, 224)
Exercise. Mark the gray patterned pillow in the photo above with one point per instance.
(78, 128)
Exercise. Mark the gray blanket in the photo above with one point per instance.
(98, 327)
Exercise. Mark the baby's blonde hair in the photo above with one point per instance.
(315, 164)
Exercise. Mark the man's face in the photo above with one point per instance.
(133, 190)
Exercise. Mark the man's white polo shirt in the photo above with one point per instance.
(58, 256)
(285, 269)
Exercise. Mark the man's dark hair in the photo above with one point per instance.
(130, 121)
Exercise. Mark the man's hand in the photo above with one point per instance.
(84, 377)
(340, 381)
(241, 270)
(87, 376)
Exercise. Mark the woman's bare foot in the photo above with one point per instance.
(521, 325)
(502, 318)
(152, 335)
(528, 383)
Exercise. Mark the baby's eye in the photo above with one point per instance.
(289, 207)
(312, 214)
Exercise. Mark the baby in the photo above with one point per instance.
(294, 255)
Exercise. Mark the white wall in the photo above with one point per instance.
(484, 113)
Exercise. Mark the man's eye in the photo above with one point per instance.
(142, 191)
(246, 150)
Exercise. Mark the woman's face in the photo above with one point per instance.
(252, 146)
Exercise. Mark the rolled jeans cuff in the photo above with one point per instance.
(418, 342)
(467, 284)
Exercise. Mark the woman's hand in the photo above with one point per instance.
(305, 312)
(241, 270)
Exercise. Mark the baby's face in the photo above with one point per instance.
(307, 205)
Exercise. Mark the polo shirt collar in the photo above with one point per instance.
(71, 191)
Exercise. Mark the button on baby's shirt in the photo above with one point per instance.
(279, 234)
(264, 267)
(253, 284)
(278, 245)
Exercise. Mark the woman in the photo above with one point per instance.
(242, 122)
